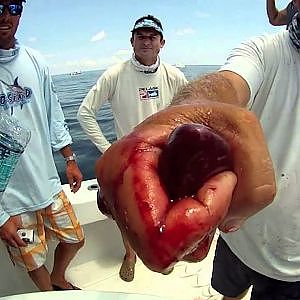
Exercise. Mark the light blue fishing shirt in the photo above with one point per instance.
(27, 93)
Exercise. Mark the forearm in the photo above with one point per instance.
(272, 11)
(73, 172)
(226, 87)
(90, 126)
(275, 16)
(66, 151)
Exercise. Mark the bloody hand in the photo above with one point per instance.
(162, 231)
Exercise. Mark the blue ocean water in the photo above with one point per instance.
(71, 91)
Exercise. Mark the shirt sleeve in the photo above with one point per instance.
(4, 216)
(96, 97)
(59, 131)
(181, 81)
(247, 60)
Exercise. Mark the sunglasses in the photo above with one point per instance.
(14, 9)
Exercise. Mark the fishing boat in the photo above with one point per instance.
(75, 73)
(179, 65)
(96, 266)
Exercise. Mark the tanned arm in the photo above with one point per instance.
(276, 17)
(225, 86)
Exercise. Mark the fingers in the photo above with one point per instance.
(217, 190)
(16, 241)
(256, 186)
(9, 235)
(222, 187)
(202, 249)
(11, 242)
(143, 211)
(74, 177)
(190, 223)
(208, 207)
(75, 185)
(174, 230)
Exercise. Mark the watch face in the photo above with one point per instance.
(69, 158)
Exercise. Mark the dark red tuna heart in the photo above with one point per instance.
(193, 154)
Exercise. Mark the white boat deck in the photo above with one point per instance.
(188, 281)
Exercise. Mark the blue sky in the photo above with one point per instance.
(94, 34)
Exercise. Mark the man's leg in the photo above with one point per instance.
(266, 288)
(127, 268)
(60, 220)
(230, 277)
(130, 254)
(32, 257)
(63, 255)
(41, 279)
(239, 297)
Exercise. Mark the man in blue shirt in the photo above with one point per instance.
(33, 199)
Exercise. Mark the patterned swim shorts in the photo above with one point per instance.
(57, 220)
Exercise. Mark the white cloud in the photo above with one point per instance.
(98, 36)
(89, 63)
(185, 31)
(123, 52)
(120, 55)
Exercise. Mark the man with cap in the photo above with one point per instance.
(34, 200)
(136, 89)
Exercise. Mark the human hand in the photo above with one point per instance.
(8, 232)
(127, 174)
(74, 176)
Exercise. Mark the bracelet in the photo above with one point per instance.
(70, 158)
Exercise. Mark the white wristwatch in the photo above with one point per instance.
(70, 158)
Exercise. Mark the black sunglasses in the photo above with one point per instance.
(14, 9)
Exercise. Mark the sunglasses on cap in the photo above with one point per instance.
(14, 9)
(147, 23)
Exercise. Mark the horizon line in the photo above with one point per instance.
(72, 73)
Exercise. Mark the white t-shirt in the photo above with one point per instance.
(133, 96)
(269, 242)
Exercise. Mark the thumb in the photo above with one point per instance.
(216, 193)
(221, 185)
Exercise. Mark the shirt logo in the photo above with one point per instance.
(149, 93)
(15, 95)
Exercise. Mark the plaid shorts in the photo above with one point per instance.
(58, 220)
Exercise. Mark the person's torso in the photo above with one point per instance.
(35, 179)
(138, 95)
(269, 242)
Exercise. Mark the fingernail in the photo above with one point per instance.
(232, 229)
(208, 196)
(233, 225)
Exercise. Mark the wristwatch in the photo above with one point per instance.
(70, 158)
